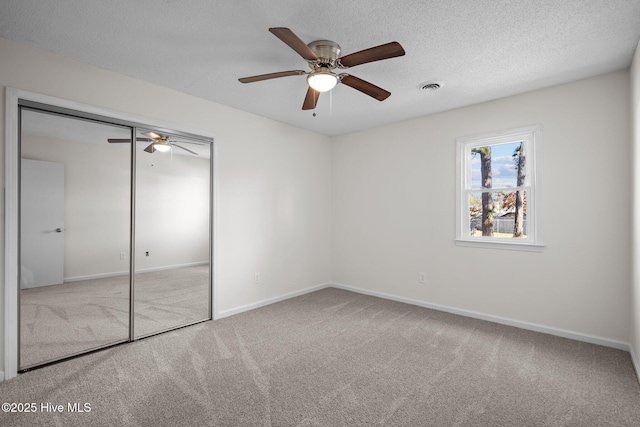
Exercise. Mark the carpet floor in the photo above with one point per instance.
(336, 358)
(62, 320)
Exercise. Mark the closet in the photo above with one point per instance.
(115, 232)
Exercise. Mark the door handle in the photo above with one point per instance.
(59, 230)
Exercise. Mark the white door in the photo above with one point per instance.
(41, 223)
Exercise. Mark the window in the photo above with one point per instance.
(499, 190)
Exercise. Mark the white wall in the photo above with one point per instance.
(635, 211)
(172, 210)
(96, 202)
(394, 211)
(273, 179)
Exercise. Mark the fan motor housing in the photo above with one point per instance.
(326, 50)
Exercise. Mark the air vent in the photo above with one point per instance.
(430, 86)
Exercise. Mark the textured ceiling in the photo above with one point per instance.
(477, 50)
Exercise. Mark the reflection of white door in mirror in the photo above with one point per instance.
(41, 223)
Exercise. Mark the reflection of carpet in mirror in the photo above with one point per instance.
(61, 320)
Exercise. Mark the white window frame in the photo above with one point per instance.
(532, 137)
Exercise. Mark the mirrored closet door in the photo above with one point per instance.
(74, 236)
(172, 229)
(93, 208)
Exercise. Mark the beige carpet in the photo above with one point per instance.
(336, 358)
(61, 320)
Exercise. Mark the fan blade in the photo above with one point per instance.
(311, 99)
(153, 135)
(271, 76)
(365, 87)
(294, 42)
(117, 140)
(150, 148)
(384, 51)
(185, 149)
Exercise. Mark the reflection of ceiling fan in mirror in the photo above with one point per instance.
(159, 142)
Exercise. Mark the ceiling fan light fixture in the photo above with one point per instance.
(322, 80)
(163, 148)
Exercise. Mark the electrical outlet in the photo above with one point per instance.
(122, 255)
(256, 278)
(422, 278)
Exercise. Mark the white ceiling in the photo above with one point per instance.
(477, 50)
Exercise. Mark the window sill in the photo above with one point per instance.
(492, 244)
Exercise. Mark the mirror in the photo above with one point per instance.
(76, 291)
(172, 229)
(74, 236)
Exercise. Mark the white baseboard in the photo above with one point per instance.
(238, 310)
(94, 276)
(126, 273)
(620, 345)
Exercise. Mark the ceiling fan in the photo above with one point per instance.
(323, 57)
(159, 142)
